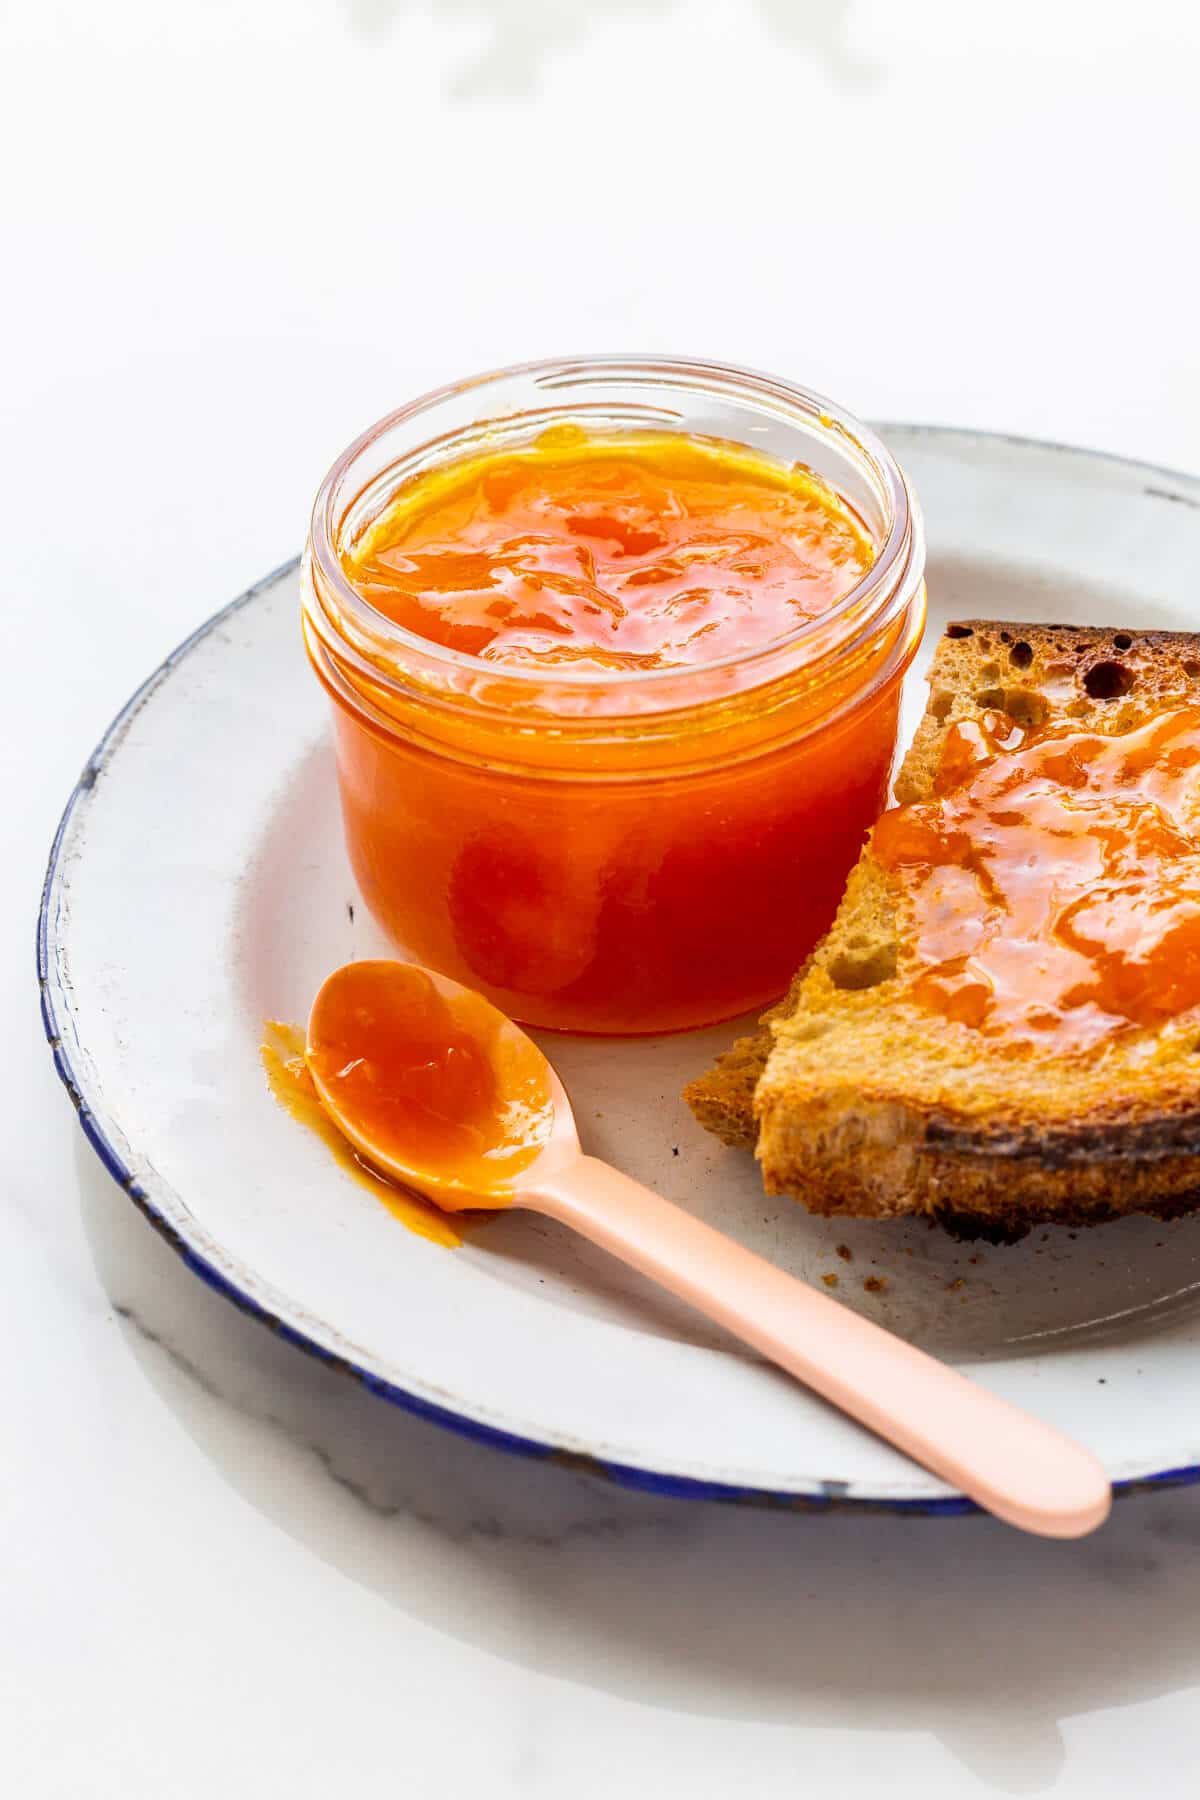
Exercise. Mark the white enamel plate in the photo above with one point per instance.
(198, 886)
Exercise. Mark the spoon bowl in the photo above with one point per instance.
(434, 1086)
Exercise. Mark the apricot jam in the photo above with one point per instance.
(1053, 880)
(643, 552)
(282, 1056)
(435, 1083)
(614, 693)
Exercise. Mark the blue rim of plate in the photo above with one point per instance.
(825, 1496)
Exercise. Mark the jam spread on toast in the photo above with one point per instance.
(1052, 881)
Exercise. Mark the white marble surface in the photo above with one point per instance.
(232, 234)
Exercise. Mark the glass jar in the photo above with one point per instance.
(614, 852)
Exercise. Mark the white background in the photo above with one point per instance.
(233, 233)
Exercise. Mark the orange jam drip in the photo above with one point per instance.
(282, 1056)
(649, 551)
(439, 1084)
(1054, 879)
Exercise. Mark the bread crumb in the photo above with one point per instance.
(830, 1280)
(952, 1287)
(845, 1252)
(875, 1284)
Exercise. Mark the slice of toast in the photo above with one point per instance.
(863, 1103)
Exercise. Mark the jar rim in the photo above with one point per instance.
(903, 543)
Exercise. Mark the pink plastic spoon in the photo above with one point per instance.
(444, 1094)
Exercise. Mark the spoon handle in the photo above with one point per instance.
(1008, 1462)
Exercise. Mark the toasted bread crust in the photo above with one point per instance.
(864, 1109)
(723, 1098)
